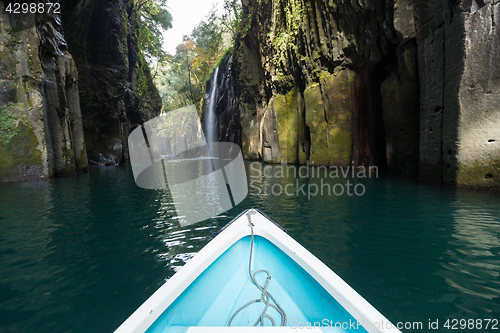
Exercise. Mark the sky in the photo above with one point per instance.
(186, 14)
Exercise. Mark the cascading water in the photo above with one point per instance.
(221, 118)
(210, 129)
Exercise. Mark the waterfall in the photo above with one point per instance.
(210, 118)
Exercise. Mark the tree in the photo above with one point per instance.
(208, 34)
(186, 55)
(208, 37)
(181, 80)
(171, 81)
(152, 18)
(231, 17)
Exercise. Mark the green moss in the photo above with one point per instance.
(245, 145)
(480, 173)
(82, 160)
(14, 38)
(27, 93)
(142, 79)
(287, 119)
(340, 143)
(20, 150)
(4, 55)
(339, 91)
(315, 120)
(226, 52)
(329, 118)
(8, 128)
(287, 28)
(315, 55)
(246, 21)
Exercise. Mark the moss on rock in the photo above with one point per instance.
(19, 155)
(245, 146)
(315, 120)
(287, 118)
(338, 93)
(340, 143)
(328, 116)
(482, 173)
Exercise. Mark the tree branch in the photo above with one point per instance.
(142, 4)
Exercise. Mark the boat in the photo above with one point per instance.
(254, 277)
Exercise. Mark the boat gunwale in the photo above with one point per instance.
(265, 227)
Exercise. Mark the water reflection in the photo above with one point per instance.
(473, 267)
(416, 252)
(180, 243)
(80, 254)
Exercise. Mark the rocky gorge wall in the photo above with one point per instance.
(71, 88)
(458, 52)
(407, 86)
(41, 134)
(116, 89)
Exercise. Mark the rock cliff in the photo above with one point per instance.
(116, 89)
(40, 119)
(71, 88)
(406, 85)
(457, 45)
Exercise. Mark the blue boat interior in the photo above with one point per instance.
(225, 286)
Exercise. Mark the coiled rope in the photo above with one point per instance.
(265, 296)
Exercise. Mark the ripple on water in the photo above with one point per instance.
(80, 254)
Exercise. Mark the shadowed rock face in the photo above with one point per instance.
(459, 91)
(115, 85)
(54, 115)
(62, 114)
(406, 85)
(40, 108)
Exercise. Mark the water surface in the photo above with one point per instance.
(80, 254)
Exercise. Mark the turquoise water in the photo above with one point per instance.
(80, 254)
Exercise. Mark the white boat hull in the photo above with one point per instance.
(364, 315)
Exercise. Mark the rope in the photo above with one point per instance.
(266, 296)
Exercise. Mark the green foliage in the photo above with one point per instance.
(173, 84)
(188, 58)
(226, 52)
(232, 16)
(14, 38)
(152, 18)
(181, 78)
(245, 23)
(208, 38)
(207, 35)
(288, 22)
(180, 122)
(8, 124)
(142, 79)
(17, 142)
